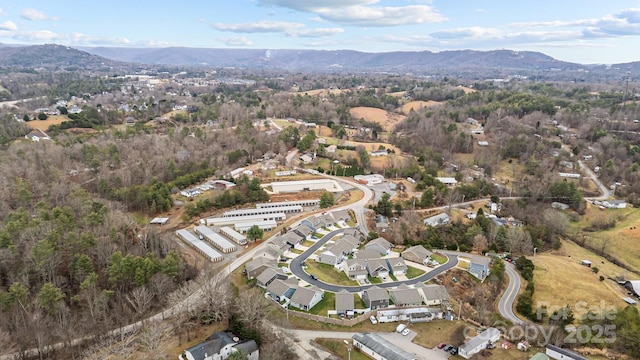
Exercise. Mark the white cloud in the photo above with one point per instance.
(259, 27)
(236, 41)
(361, 12)
(8, 26)
(322, 32)
(382, 16)
(44, 36)
(481, 10)
(2, 13)
(35, 15)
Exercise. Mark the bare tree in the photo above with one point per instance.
(140, 300)
(519, 241)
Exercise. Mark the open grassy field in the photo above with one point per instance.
(339, 348)
(386, 119)
(582, 284)
(44, 124)
(417, 105)
(328, 273)
(466, 90)
(327, 303)
(413, 272)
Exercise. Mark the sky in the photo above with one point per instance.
(581, 31)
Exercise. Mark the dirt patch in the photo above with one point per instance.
(386, 119)
(417, 105)
(44, 124)
(321, 92)
(466, 90)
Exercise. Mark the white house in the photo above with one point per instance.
(437, 220)
(369, 180)
(557, 353)
(449, 181)
(479, 342)
(220, 346)
(306, 298)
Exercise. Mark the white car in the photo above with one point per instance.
(400, 328)
(373, 319)
(406, 332)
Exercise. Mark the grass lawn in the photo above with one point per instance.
(413, 272)
(296, 251)
(441, 259)
(432, 333)
(307, 243)
(328, 274)
(358, 303)
(327, 303)
(374, 280)
(339, 348)
(283, 264)
(351, 223)
(563, 267)
(393, 277)
(317, 235)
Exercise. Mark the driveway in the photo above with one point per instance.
(421, 353)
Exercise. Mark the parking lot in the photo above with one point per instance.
(421, 353)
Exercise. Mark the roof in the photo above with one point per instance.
(247, 347)
(344, 301)
(433, 291)
(383, 347)
(478, 340)
(260, 261)
(539, 356)
(480, 260)
(376, 293)
(268, 274)
(341, 247)
(382, 242)
(635, 285)
(375, 264)
(278, 287)
(565, 352)
(418, 251)
(303, 295)
(366, 254)
(406, 295)
(397, 263)
(341, 214)
(212, 346)
(437, 219)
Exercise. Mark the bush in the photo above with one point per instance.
(601, 278)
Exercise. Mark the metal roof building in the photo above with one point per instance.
(199, 245)
(263, 211)
(222, 221)
(233, 235)
(310, 202)
(377, 347)
(215, 239)
(266, 225)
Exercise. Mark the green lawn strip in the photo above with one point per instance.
(441, 259)
(374, 280)
(327, 303)
(339, 348)
(393, 277)
(307, 243)
(328, 274)
(413, 272)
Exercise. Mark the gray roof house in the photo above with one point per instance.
(280, 290)
(341, 215)
(403, 296)
(432, 295)
(479, 266)
(417, 254)
(344, 302)
(303, 231)
(558, 353)
(377, 347)
(397, 266)
(377, 267)
(380, 245)
(278, 246)
(479, 342)
(219, 346)
(355, 269)
(256, 266)
(292, 238)
(437, 220)
(375, 298)
(353, 232)
(336, 253)
(270, 274)
(305, 298)
(366, 254)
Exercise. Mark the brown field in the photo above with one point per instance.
(581, 283)
(321, 92)
(382, 117)
(417, 105)
(466, 90)
(44, 124)
(397, 93)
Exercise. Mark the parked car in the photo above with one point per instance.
(373, 319)
(441, 345)
(453, 351)
(314, 277)
(400, 328)
(406, 332)
(447, 347)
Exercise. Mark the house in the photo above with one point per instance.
(306, 158)
(315, 223)
(305, 298)
(404, 296)
(222, 184)
(377, 268)
(523, 345)
(369, 180)
(559, 206)
(432, 295)
(479, 266)
(483, 143)
(331, 149)
(270, 274)
(397, 266)
(281, 290)
(381, 245)
(189, 193)
(615, 204)
(335, 254)
(437, 220)
(256, 266)
(220, 346)
(344, 303)
(366, 254)
(557, 353)
(377, 347)
(479, 342)
(382, 222)
(303, 231)
(417, 254)
(355, 269)
(449, 181)
(292, 238)
(633, 286)
(341, 215)
(375, 298)
(378, 153)
(37, 135)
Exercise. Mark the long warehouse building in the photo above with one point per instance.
(225, 221)
(267, 225)
(310, 202)
(263, 211)
(233, 235)
(215, 239)
(199, 245)
(305, 185)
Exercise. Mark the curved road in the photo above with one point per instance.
(505, 305)
(296, 268)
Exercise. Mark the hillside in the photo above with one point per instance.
(53, 56)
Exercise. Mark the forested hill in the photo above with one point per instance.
(53, 56)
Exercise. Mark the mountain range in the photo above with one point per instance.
(496, 62)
